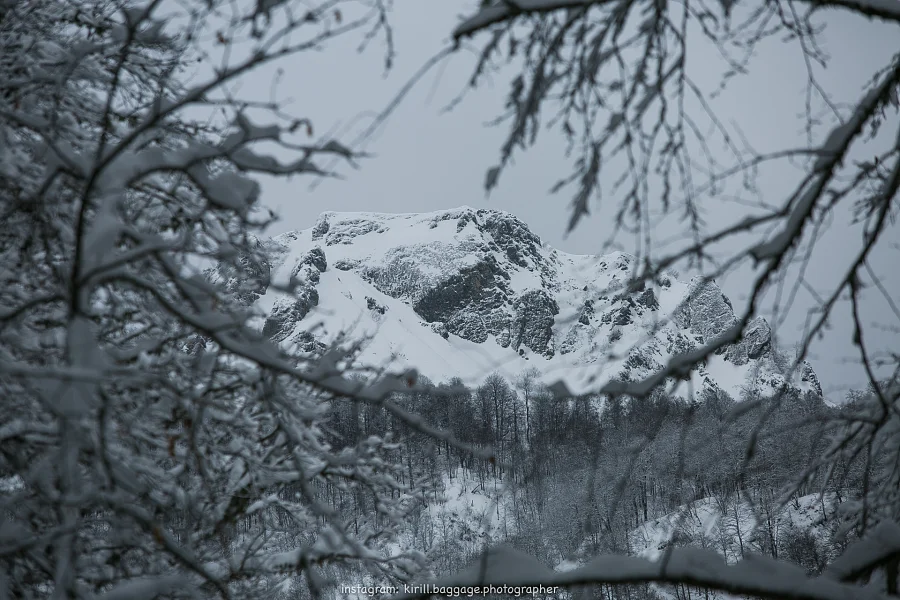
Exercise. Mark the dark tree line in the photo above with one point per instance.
(582, 473)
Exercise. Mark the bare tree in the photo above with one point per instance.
(613, 76)
(152, 442)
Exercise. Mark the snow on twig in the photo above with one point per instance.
(757, 576)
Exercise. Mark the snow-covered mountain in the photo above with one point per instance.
(467, 292)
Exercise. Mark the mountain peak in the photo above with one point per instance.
(342, 227)
(466, 292)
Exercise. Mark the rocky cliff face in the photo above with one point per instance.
(465, 292)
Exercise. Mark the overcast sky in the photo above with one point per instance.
(426, 159)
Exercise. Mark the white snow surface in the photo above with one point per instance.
(420, 251)
(729, 529)
(718, 525)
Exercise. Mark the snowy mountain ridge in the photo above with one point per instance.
(466, 292)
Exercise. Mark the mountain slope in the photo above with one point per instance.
(466, 292)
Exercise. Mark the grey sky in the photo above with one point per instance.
(426, 160)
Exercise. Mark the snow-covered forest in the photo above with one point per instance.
(157, 442)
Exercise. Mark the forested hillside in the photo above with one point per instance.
(569, 481)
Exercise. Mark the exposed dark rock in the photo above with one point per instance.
(621, 315)
(464, 220)
(513, 236)
(624, 317)
(306, 273)
(570, 343)
(532, 325)
(346, 265)
(410, 272)
(371, 304)
(345, 231)
(440, 328)
(309, 266)
(321, 227)
(678, 343)
(647, 299)
(316, 258)
(516, 256)
(472, 285)
(727, 302)
(639, 361)
(463, 217)
(623, 262)
(468, 327)
(706, 312)
(286, 314)
(757, 338)
(755, 342)
(587, 311)
(308, 344)
(807, 375)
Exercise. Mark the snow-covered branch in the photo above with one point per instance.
(155, 443)
(756, 576)
(506, 10)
